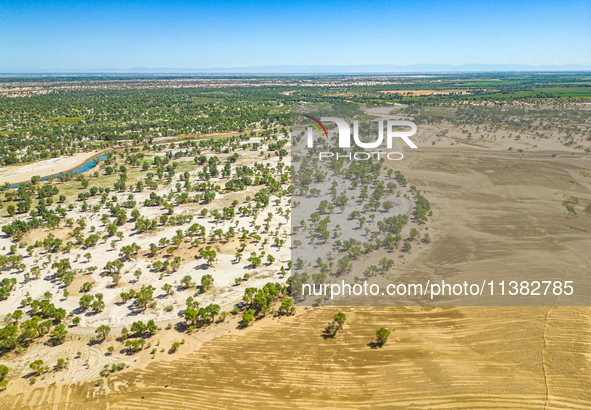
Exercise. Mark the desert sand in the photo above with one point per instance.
(23, 173)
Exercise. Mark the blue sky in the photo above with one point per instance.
(91, 35)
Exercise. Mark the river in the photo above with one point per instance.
(91, 163)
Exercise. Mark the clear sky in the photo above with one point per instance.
(91, 35)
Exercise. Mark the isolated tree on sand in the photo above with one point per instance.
(382, 336)
(102, 331)
(340, 318)
(337, 324)
(407, 246)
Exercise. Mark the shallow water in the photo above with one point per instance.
(82, 168)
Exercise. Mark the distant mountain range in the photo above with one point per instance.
(333, 69)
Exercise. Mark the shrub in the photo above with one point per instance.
(382, 335)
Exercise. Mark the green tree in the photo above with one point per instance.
(85, 301)
(37, 366)
(98, 305)
(138, 328)
(340, 318)
(285, 306)
(151, 327)
(331, 328)
(186, 281)
(59, 334)
(145, 296)
(103, 331)
(168, 288)
(86, 287)
(61, 364)
(206, 282)
(382, 335)
(3, 371)
(248, 317)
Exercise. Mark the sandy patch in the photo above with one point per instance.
(23, 173)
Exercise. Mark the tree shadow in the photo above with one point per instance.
(29, 375)
(375, 345)
(78, 311)
(327, 335)
(134, 311)
(241, 325)
(180, 327)
(52, 342)
(94, 341)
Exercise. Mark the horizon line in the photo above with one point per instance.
(315, 69)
